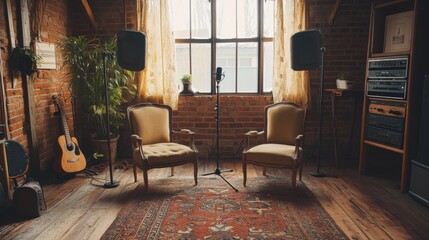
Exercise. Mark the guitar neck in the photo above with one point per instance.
(63, 119)
(66, 129)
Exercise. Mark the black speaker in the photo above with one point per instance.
(423, 145)
(131, 50)
(419, 181)
(305, 50)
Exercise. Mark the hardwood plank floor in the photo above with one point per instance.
(363, 207)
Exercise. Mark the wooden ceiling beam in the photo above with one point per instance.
(89, 13)
(334, 12)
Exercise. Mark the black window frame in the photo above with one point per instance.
(259, 40)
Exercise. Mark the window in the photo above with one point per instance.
(236, 35)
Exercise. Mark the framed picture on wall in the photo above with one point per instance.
(397, 36)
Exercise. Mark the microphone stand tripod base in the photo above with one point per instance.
(219, 172)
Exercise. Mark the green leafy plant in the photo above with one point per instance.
(344, 76)
(85, 59)
(186, 78)
(24, 60)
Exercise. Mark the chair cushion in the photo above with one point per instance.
(164, 153)
(272, 154)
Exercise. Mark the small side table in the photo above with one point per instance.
(334, 92)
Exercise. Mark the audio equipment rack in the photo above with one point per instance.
(393, 87)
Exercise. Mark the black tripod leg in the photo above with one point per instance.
(235, 189)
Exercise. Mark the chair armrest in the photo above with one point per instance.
(247, 136)
(136, 141)
(253, 133)
(184, 132)
(191, 137)
(299, 141)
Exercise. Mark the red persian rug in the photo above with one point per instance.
(174, 208)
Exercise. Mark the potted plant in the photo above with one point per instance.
(24, 60)
(343, 81)
(85, 59)
(187, 85)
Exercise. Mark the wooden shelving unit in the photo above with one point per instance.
(417, 67)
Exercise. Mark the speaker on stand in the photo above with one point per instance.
(307, 53)
(419, 182)
(131, 55)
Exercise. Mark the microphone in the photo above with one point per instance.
(219, 74)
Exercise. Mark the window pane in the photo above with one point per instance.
(225, 52)
(247, 15)
(226, 19)
(269, 18)
(182, 62)
(201, 19)
(201, 65)
(247, 68)
(181, 15)
(268, 66)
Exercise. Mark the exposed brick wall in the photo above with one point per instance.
(346, 51)
(238, 115)
(46, 83)
(346, 44)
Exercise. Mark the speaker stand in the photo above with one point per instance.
(111, 183)
(322, 76)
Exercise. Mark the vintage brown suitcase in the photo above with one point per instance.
(29, 200)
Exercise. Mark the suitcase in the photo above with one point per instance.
(29, 200)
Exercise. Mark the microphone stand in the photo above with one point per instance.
(217, 171)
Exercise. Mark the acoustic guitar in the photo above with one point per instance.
(72, 158)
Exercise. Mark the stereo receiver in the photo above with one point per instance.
(385, 136)
(387, 108)
(387, 88)
(388, 67)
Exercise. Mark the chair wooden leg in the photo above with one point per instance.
(300, 172)
(294, 178)
(264, 171)
(145, 179)
(135, 172)
(244, 173)
(196, 172)
(171, 171)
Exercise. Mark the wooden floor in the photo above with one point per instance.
(363, 207)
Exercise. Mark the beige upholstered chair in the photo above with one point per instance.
(152, 143)
(283, 140)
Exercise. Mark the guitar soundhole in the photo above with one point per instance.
(69, 147)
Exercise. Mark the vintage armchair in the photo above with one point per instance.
(283, 140)
(152, 140)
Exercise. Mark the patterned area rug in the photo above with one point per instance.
(266, 209)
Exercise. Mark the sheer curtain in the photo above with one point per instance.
(156, 83)
(288, 85)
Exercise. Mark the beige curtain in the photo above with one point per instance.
(288, 85)
(156, 82)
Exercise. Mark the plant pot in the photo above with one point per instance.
(187, 90)
(100, 146)
(344, 84)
